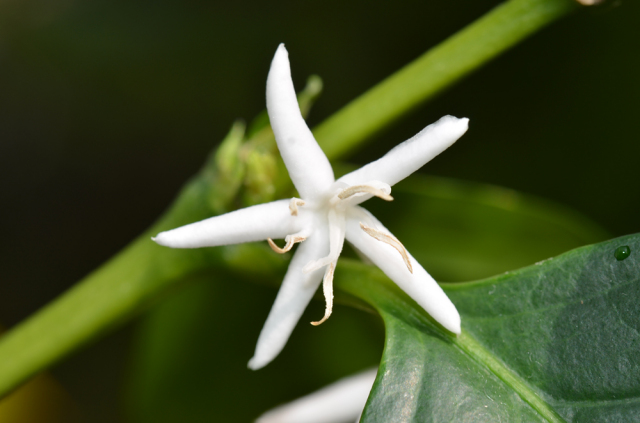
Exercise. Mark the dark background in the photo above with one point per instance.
(107, 107)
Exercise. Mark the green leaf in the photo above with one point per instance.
(557, 341)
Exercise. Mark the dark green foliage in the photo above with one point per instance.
(556, 341)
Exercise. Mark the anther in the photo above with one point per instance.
(327, 288)
(391, 240)
(357, 189)
(293, 205)
(291, 239)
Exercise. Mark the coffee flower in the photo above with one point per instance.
(326, 213)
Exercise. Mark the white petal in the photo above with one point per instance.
(270, 220)
(308, 167)
(339, 402)
(295, 293)
(420, 285)
(411, 155)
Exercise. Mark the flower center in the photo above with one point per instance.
(336, 208)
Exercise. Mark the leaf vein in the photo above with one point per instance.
(478, 353)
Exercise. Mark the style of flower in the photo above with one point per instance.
(326, 213)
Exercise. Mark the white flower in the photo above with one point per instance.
(327, 212)
(339, 402)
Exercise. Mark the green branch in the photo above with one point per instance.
(136, 276)
(436, 70)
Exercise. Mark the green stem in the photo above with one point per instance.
(122, 287)
(436, 70)
(106, 296)
(129, 281)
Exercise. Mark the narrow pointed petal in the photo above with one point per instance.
(293, 297)
(308, 167)
(419, 285)
(411, 155)
(257, 223)
(341, 401)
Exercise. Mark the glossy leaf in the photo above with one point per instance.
(557, 341)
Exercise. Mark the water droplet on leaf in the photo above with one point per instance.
(622, 253)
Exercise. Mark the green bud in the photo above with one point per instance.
(259, 181)
(226, 170)
(248, 160)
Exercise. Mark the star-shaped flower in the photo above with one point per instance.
(327, 213)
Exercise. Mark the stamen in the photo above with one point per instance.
(293, 205)
(391, 240)
(327, 288)
(291, 239)
(357, 189)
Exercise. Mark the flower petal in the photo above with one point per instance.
(420, 285)
(270, 220)
(294, 295)
(339, 402)
(411, 155)
(308, 167)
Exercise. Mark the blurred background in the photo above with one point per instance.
(108, 107)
